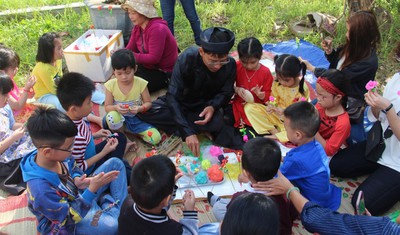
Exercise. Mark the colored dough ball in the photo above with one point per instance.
(215, 174)
(205, 164)
(201, 178)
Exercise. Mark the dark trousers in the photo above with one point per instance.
(11, 177)
(381, 190)
(382, 187)
(118, 153)
(350, 162)
(161, 117)
(157, 79)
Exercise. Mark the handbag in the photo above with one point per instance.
(376, 142)
(355, 108)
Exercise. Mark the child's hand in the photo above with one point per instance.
(102, 179)
(111, 145)
(189, 200)
(242, 178)
(259, 93)
(82, 182)
(178, 174)
(122, 108)
(102, 133)
(240, 91)
(245, 95)
(30, 82)
(18, 133)
(270, 108)
(135, 109)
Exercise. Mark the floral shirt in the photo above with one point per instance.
(19, 148)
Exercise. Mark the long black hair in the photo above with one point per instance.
(45, 51)
(289, 66)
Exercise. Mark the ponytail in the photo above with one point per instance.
(303, 73)
(289, 66)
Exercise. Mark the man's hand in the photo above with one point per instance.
(193, 143)
(207, 113)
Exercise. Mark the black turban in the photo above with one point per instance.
(217, 40)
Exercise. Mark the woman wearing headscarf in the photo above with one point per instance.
(153, 45)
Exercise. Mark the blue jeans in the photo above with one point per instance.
(118, 153)
(189, 8)
(113, 192)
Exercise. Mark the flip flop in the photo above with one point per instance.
(133, 147)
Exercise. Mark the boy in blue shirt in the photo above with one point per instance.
(61, 197)
(307, 165)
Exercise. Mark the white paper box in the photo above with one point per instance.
(94, 64)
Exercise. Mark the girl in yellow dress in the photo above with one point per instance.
(288, 88)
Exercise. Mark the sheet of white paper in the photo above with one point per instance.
(227, 188)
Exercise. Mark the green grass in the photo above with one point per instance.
(22, 34)
(244, 17)
(14, 4)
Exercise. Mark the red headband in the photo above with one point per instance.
(329, 87)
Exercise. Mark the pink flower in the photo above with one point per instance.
(398, 92)
(303, 99)
(271, 98)
(215, 151)
(371, 85)
(245, 138)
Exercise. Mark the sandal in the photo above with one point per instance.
(132, 146)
